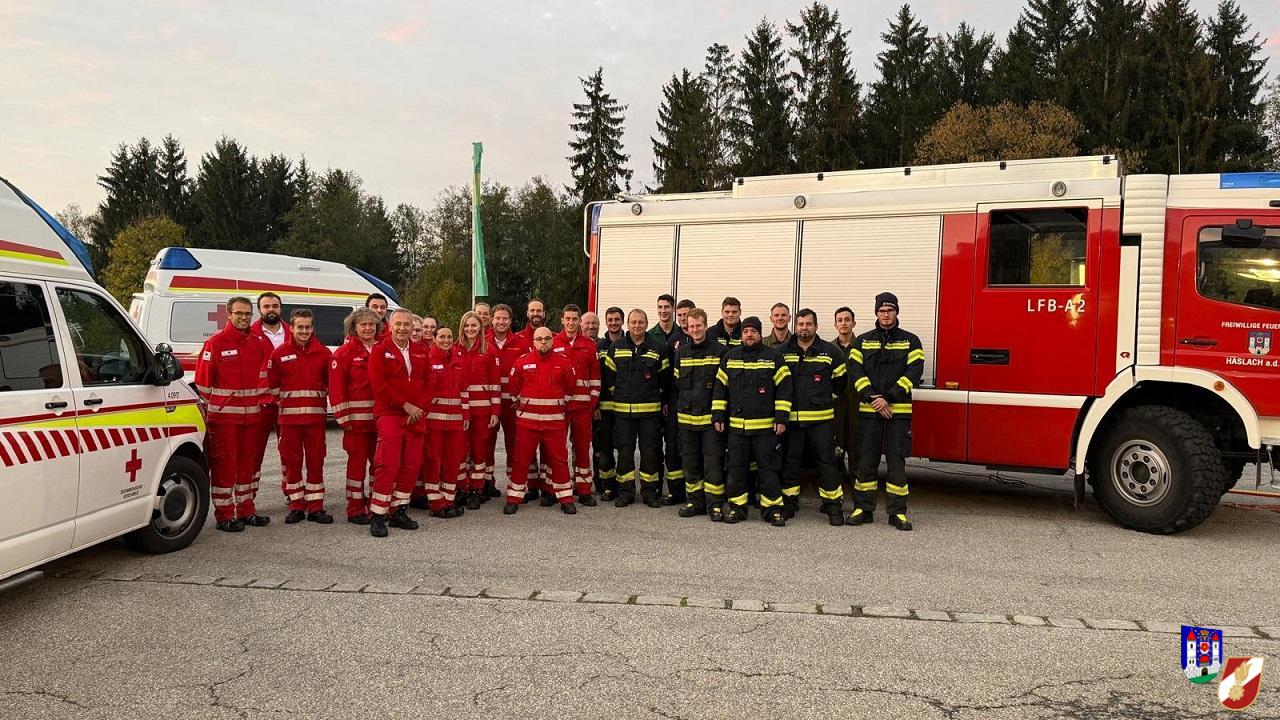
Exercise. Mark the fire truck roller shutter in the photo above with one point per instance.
(635, 266)
(754, 262)
(848, 261)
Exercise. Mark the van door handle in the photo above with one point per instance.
(1199, 342)
(93, 401)
(56, 405)
(989, 356)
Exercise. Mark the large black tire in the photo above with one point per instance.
(1158, 470)
(184, 505)
(1232, 469)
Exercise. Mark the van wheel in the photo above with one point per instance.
(181, 505)
(1232, 470)
(1158, 470)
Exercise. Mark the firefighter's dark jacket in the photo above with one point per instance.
(753, 390)
(723, 336)
(636, 378)
(694, 377)
(818, 377)
(888, 362)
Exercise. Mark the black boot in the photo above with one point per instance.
(419, 503)
(547, 500)
(835, 515)
(231, 525)
(650, 498)
(400, 519)
(378, 526)
(776, 517)
(609, 494)
(358, 519)
(473, 500)
(692, 510)
(716, 512)
(588, 500)
(510, 508)
(294, 516)
(900, 521)
(321, 517)
(859, 517)
(734, 514)
(446, 513)
(624, 499)
(257, 521)
(568, 508)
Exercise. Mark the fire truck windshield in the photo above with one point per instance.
(1244, 273)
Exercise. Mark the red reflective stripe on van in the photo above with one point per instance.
(44, 443)
(116, 437)
(63, 449)
(4, 456)
(29, 250)
(16, 447)
(31, 445)
(87, 438)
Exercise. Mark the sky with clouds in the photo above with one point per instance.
(395, 91)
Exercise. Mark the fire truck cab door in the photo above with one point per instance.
(1033, 336)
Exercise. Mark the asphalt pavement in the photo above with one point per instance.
(1004, 602)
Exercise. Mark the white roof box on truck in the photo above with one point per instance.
(33, 243)
(199, 271)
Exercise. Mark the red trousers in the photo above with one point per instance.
(395, 466)
(268, 419)
(299, 444)
(580, 434)
(475, 467)
(360, 447)
(507, 423)
(444, 454)
(555, 454)
(230, 469)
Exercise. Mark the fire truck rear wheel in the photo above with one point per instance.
(181, 505)
(1158, 470)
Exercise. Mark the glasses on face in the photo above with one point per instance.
(242, 314)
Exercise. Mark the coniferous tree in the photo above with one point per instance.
(902, 104)
(1237, 68)
(964, 72)
(1271, 127)
(685, 145)
(1179, 93)
(1110, 64)
(718, 77)
(1015, 72)
(1053, 25)
(225, 200)
(276, 196)
(175, 183)
(764, 134)
(828, 95)
(598, 163)
(133, 187)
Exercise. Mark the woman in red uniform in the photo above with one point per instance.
(447, 423)
(351, 397)
(481, 370)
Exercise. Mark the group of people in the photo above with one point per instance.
(724, 416)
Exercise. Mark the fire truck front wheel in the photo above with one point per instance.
(181, 505)
(1158, 470)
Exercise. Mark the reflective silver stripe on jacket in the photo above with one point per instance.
(541, 401)
(312, 410)
(289, 394)
(536, 416)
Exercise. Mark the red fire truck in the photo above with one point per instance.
(1074, 319)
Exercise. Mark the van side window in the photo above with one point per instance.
(107, 348)
(28, 351)
(194, 321)
(1240, 272)
(1038, 247)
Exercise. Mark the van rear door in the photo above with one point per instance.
(39, 462)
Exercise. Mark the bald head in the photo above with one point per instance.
(542, 340)
(591, 325)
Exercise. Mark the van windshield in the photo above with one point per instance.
(1239, 275)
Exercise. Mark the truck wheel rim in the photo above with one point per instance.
(1140, 472)
(175, 505)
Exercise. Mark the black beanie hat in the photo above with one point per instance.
(752, 322)
(887, 298)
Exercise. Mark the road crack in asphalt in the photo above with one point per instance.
(47, 694)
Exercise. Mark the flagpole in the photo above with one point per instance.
(479, 277)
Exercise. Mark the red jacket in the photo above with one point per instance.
(446, 391)
(231, 376)
(350, 394)
(483, 386)
(299, 379)
(512, 350)
(541, 386)
(394, 384)
(581, 354)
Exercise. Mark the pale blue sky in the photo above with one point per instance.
(393, 90)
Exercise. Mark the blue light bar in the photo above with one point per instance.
(178, 258)
(383, 288)
(1250, 180)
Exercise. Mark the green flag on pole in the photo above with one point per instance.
(479, 278)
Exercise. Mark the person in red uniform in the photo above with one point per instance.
(447, 422)
(507, 347)
(398, 371)
(542, 383)
(272, 330)
(351, 397)
(230, 379)
(480, 368)
(580, 351)
(377, 302)
(298, 375)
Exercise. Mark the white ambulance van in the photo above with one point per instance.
(184, 295)
(97, 437)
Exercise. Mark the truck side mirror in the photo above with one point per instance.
(1243, 234)
(167, 367)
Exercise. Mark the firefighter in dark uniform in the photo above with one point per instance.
(702, 448)
(668, 335)
(635, 379)
(752, 403)
(885, 364)
(847, 403)
(818, 376)
(602, 435)
(728, 330)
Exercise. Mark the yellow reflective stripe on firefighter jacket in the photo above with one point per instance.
(693, 372)
(818, 376)
(888, 362)
(635, 378)
(753, 390)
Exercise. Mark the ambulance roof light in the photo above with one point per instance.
(1248, 180)
(178, 258)
(383, 287)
